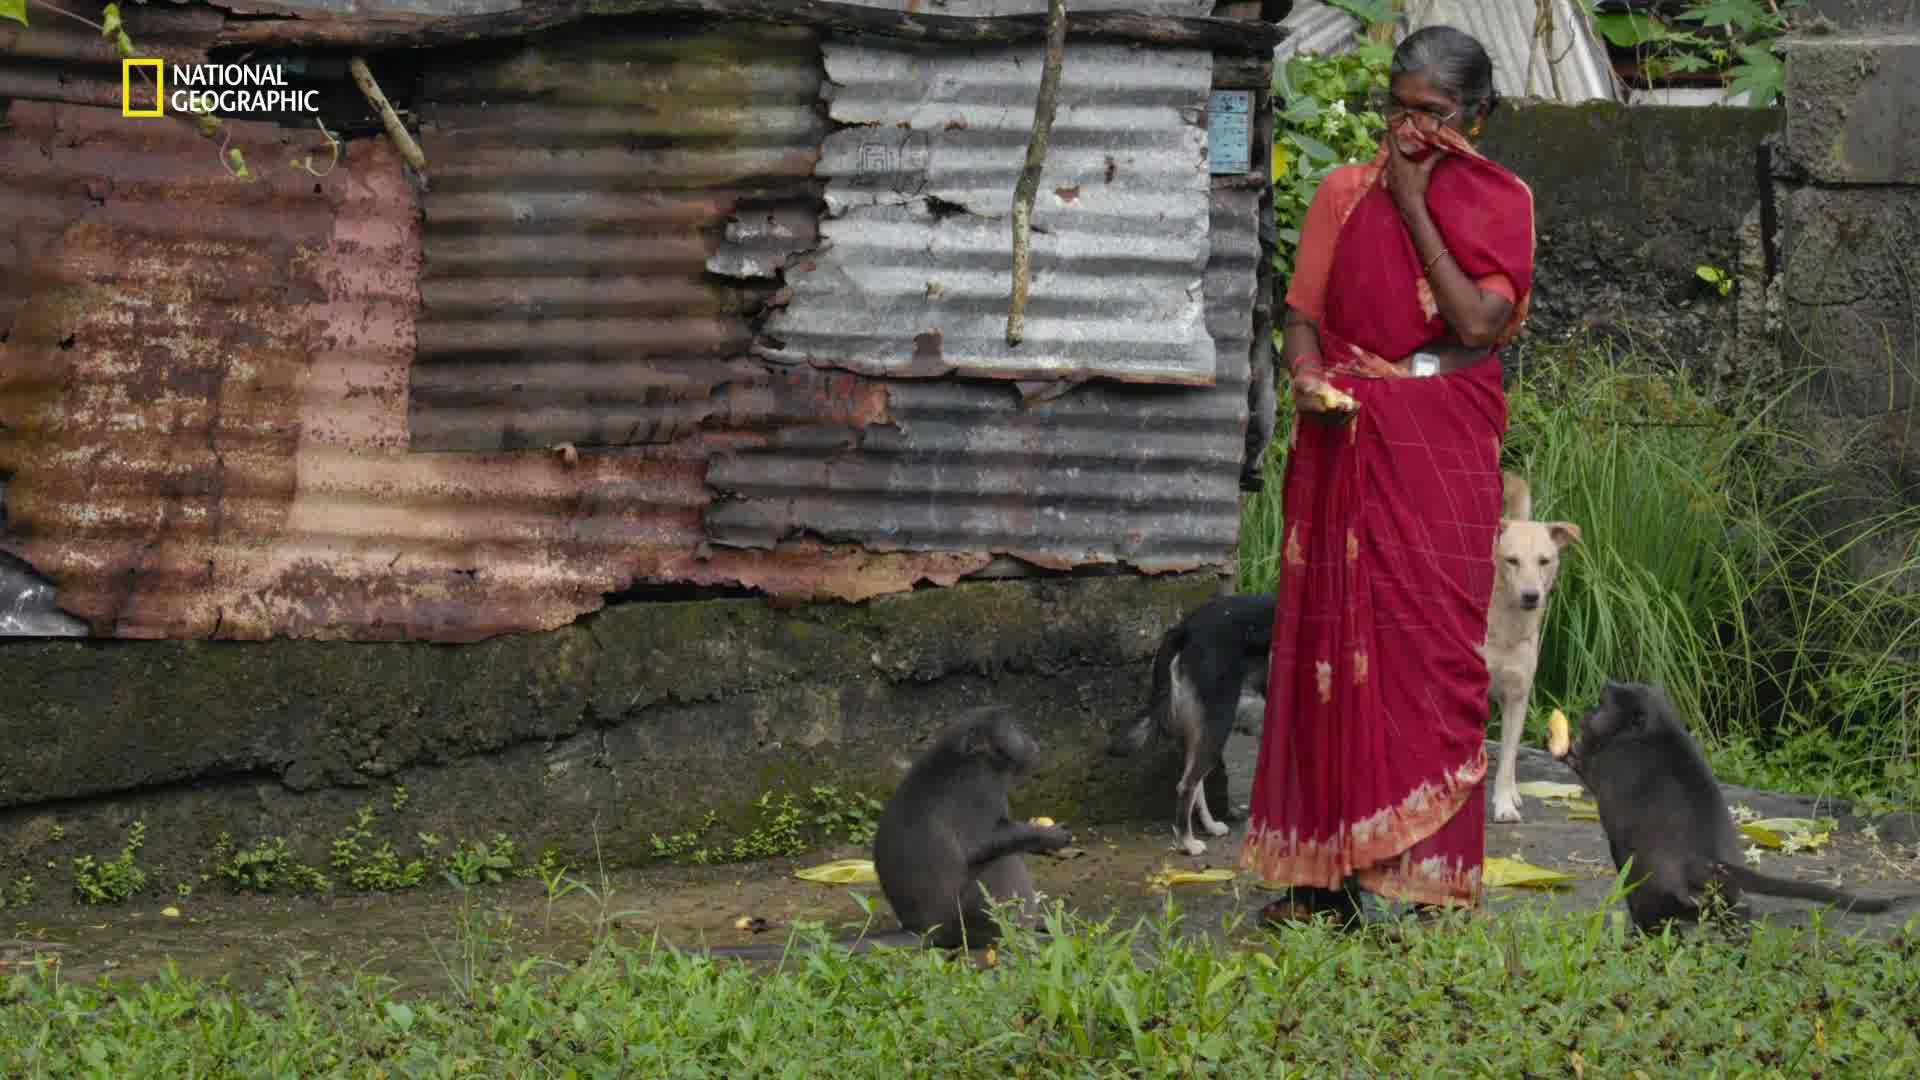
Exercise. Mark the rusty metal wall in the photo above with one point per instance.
(333, 407)
(59, 59)
(581, 185)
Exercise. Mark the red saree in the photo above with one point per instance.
(1373, 755)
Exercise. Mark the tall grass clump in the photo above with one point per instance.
(1712, 565)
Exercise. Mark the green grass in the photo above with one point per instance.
(1712, 564)
(1517, 993)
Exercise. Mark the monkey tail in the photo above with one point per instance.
(1130, 739)
(1755, 881)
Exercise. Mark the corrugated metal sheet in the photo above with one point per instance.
(1314, 28)
(915, 273)
(28, 605)
(1549, 52)
(582, 187)
(1560, 59)
(204, 399)
(58, 59)
(208, 389)
(1148, 476)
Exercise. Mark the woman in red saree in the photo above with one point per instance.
(1414, 269)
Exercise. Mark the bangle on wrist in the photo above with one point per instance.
(1435, 261)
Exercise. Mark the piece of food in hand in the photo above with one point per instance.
(1331, 398)
(1043, 822)
(1558, 741)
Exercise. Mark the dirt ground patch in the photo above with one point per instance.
(412, 936)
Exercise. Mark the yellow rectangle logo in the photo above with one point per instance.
(159, 87)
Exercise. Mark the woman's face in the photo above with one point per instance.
(1416, 109)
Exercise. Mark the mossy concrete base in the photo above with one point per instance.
(638, 720)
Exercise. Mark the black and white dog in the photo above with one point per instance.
(1209, 676)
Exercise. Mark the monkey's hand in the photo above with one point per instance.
(1014, 837)
(1051, 837)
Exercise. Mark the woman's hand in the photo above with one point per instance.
(1316, 398)
(1407, 179)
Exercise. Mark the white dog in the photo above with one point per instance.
(1526, 562)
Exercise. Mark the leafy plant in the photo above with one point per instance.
(381, 868)
(1323, 124)
(851, 815)
(266, 867)
(1716, 277)
(475, 863)
(785, 827)
(96, 882)
(20, 891)
(1732, 37)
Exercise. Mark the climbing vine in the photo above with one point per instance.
(209, 125)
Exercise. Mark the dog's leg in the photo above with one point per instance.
(1207, 822)
(1513, 721)
(1220, 793)
(1192, 790)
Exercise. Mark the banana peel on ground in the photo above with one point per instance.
(1792, 834)
(1566, 796)
(1501, 872)
(1168, 876)
(839, 872)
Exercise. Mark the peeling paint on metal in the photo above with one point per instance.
(1108, 473)
(914, 274)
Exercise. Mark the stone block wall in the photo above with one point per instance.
(1846, 179)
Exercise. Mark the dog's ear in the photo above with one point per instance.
(1564, 533)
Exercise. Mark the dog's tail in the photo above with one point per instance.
(1130, 739)
(1755, 881)
(1516, 498)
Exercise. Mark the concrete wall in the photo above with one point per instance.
(642, 716)
(1868, 14)
(1815, 210)
(1628, 201)
(1847, 183)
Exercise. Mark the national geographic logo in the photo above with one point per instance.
(235, 90)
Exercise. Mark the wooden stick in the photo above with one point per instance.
(1028, 187)
(371, 34)
(395, 129)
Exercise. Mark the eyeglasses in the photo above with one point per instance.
(1424, 117)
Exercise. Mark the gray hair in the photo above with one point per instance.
(1454, 62)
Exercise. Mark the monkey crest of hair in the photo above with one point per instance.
(1452, 60)
(947, 841)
